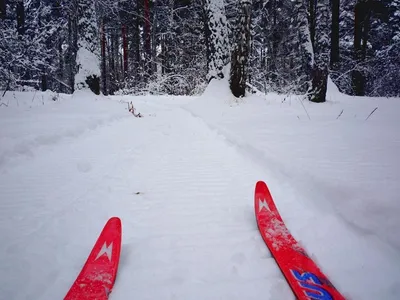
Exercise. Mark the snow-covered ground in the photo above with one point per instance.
(182, 181)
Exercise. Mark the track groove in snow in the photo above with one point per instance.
(184, 197)
(183, 187)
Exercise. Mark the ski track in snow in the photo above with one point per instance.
(183, 188)
(185, 199)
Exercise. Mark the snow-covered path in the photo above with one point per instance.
(183, 188)
(184, 197)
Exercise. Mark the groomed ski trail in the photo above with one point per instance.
(184, 197)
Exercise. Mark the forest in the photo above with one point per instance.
(177, 46)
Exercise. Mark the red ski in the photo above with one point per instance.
(97, 277)
(304, 277)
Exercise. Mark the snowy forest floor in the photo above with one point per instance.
(182, 181)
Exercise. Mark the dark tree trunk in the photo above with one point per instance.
(169, 39)
(137, 40)
(147, 36)
(72, 46)
(60, 71)
(103, 59)
(312, 20)
(319, 84)
(3, 9)
(20, 18)
(44, 82)
(358, 79)
(113, 60)
(362, 23)
(335, 33)
(93, 83)
(240, 54)
(153, 44)
(125, 47)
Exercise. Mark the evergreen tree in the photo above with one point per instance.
(176, 46)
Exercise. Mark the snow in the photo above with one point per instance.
(182, 181)
(88, 65)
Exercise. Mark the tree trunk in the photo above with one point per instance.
(125, 48)
(137, 41)
(312, 19)
(88, 60)
(358, 80)
(44, 82)
(147, 37)
(305, 37)
(318, 72)
(319, 84)
(240, 54)
(113, 60)
(218, 39)
(274, 44)
(170, 39)
(70, 55)
(3, 9)
(153, 44)
(335, 34)
(60, 71)
(103, 59)
(20, 18)
(322, 49)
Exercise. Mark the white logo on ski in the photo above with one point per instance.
(263, 204)
(105, 250)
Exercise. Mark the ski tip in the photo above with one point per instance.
(261, 185)
(262, 189)
(114, 221)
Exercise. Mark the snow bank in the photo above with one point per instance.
(31, 120)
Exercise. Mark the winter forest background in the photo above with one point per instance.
(178, 46)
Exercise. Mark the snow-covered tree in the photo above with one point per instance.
(305, 36)
(240, 53)
(28, 53)
(217, 38)
(321, 46)
(175, 46)
(88, 54)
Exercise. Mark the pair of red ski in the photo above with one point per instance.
(307, 281)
